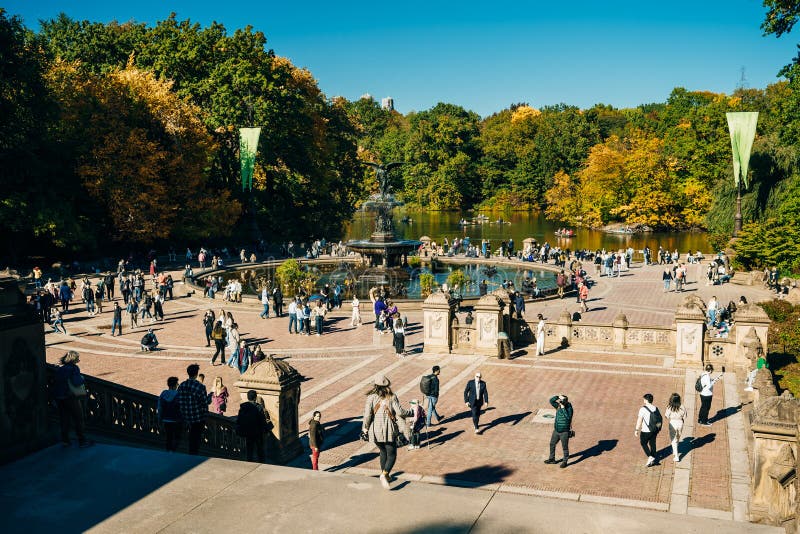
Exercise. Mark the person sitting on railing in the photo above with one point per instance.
(149, 341)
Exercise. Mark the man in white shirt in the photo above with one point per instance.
(540, 336)
(265, 302)
(707, 394)
(293, 317)
(712, 310)
(647, 430)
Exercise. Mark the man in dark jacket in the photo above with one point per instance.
(562, 428)
(433, 396)
(475, 394)
(251, 424)
(277, 301)
(117, 319)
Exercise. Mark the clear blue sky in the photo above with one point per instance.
(487, 55)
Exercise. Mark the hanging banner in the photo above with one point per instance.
(742, 126)
(248, 146)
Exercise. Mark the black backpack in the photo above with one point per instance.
(698, 385)
(425, 384)
(656, 421)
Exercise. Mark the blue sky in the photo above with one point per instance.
(487, 55)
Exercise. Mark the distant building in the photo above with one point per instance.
(366, 96)
(387, 103)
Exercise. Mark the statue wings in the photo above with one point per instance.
(386, 167)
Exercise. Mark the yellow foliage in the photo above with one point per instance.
(524, 113)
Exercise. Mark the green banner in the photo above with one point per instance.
(248, 147)
(742, 126)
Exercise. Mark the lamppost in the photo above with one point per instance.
(742, 127)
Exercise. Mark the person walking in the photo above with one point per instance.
(475, 395)
(382, 414)
(399, 340)
(319, 317)
(292, 311)
(265, 302)
(676, 414)
(208, 325)
(355, 318)
(193, 402)
(562, 429)
(69, 390)
(666, 277)
(429, 386)
(116, 320)
(316, 435)
(415, 424)
(169, 413)
(706, 394)
(251, 423)
(583, 294)
(540, 334)
(133, 312)
(277, 301)
(218, 335)
(219, 397)
(57, 320)
(648, 424)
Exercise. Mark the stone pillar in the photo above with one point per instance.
(749, 317)
(564, 328)
(437, 313)
(620, 331)
(773, 494)
(505, 300)
(690, 324)
(278, 385)
(488, 320)
(23, 378)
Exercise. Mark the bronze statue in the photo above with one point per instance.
(382, 175)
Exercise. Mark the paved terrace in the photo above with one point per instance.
(606, 463)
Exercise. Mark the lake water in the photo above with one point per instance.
(438, 225)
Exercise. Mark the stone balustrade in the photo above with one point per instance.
(129, 415)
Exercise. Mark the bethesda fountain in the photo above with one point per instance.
(385, 254)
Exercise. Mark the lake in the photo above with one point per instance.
(438, 224)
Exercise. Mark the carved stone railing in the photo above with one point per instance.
(719, 351)
(644, 336)
(129, 415)
(463, 338)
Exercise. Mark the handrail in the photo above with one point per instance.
(119, 412)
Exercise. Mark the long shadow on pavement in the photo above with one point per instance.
(604, 445)
(513, 419)
(726, 412)
(484, 474)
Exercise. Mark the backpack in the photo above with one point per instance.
(656, 421)
(698, 385)
(425, 384)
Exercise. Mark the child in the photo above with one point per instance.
(416, 422)
(169, 413)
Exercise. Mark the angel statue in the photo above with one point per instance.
(382, 175)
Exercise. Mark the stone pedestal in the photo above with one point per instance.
(690, 323)
(620, 331)
(278, 385)
(773, 496)
(437, 313)
(749, 319)
(564, 328)
(23, 381)
(488, 320)
(505, 300)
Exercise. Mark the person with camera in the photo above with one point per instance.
(382, 412)
(562, 429)
(706, 394)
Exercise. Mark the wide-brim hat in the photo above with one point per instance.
(382, 381)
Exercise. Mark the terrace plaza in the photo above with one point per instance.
(459, 481)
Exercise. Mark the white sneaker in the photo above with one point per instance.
(748, 388)
(676, 458)
(649, 461)
(411, 447)
(384, 481)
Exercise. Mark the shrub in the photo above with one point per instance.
(426, 283)
(458, 279)
(414, 261)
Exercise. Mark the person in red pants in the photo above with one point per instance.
(316, 435)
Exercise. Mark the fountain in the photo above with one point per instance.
(386, 255)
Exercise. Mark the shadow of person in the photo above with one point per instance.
(484, 474)
(513, 419)
(726, 412)
(604, 445)
(442, 438)
(358, 459)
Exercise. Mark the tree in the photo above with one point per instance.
(781, 16)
